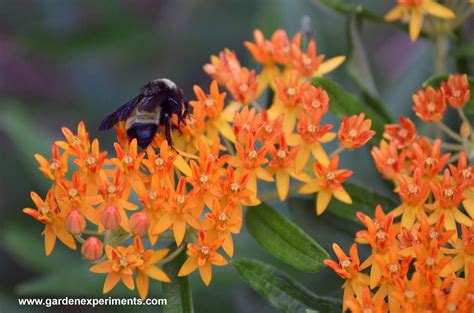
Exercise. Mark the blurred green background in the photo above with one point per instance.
(66, 61)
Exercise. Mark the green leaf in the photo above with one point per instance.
(358, 67)
(344, 103)
(177, 293)
(283, 239)
(363, 200)
(280, 290)
(435, 82)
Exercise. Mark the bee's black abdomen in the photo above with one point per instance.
(143, 132)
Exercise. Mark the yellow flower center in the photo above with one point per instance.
(451, 307)
(409, 294)
(91, 160)
(180, 199)
(73, 192)
(448, 192)
(430, 261)
(402, 132)
(316, 104)
(234, 187)
(456, 93)
(346, 263)
(390, 161)
(331, 176)
(243, 87)
(246, 127)
(45, 209)
(413, 189)
(381, 235)
(205, 250)
(222, 217)
(111, 189)
(393, 268)
(128, 159)
(281, 154)
(159, 162)
(353, 133)
(429, 161)
(433, 234)
(291, 91)
(269, 128)
(203, 179)
(54, 165)
(311, 128)
(466, 173)
(209, 102)
(307, 61)
(152, 195)
(123, 261)
(367, 310)
(470, 296)
(431, 107)
(252, 154)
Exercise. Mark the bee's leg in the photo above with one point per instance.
(167, 123)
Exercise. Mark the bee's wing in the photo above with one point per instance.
(121, 114)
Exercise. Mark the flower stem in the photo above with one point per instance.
(337, 151)
(448, 131)
(79, 239)
(441, 49)
(173, 254)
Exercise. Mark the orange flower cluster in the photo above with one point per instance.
(192, 194)
(419, 263)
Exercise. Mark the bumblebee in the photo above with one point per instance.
(151, 110)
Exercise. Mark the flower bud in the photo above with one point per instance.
(110, 218)
(75, 222)
(92, 249)
(139, 223)
(465, 130)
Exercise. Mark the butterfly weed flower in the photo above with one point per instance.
(349, 269)
(310, 137)
(195, 190)
(47, 213)
(222, 222)
(282, 166)
(202, 256)
(456, 90)
(403, 134)
(328, 184)
(414, 11)
(429, 104)
(355, 131)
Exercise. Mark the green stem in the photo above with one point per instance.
(337, 151)
(441, 53)
(448, 131)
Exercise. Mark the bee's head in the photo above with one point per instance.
(158, 85)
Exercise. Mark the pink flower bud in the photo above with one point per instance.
(110, 218)
(75, 222)
(139, 223)
(92, 249)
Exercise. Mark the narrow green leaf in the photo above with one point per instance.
(178, 292)
(363, 200)
(344, 103)
(281, 291)
(283, 239)
(358, 67)
(435, 82)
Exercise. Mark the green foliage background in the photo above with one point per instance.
(65, 61)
